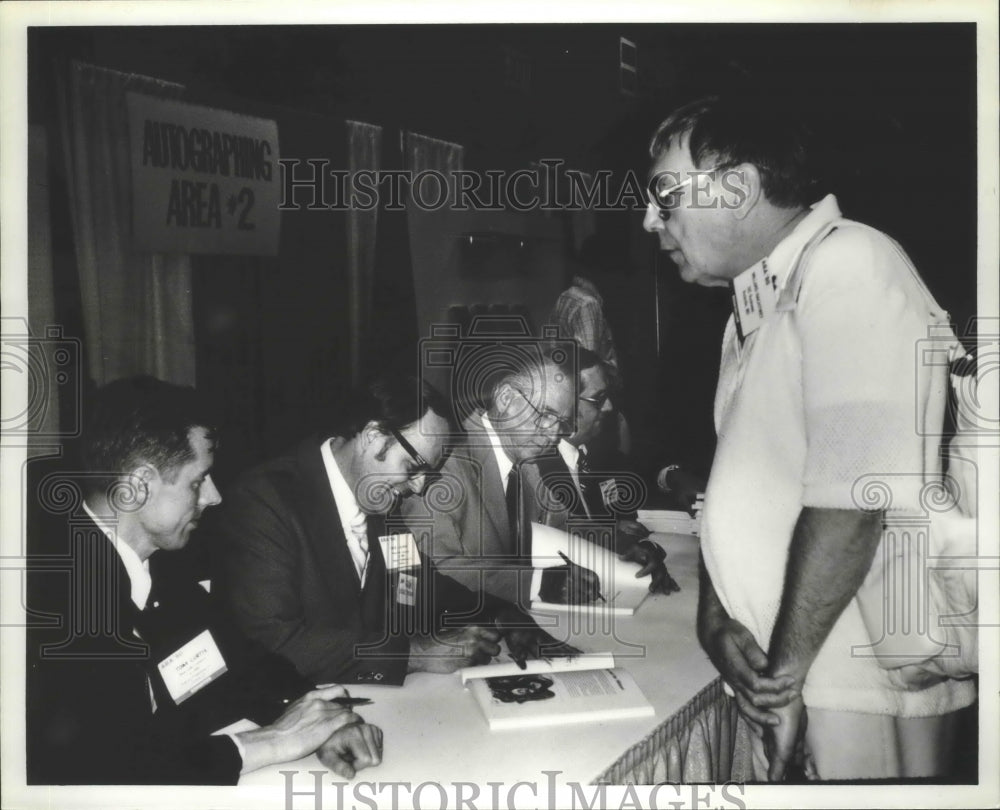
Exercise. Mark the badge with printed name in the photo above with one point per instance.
(609, 492)
(192, 667)
(406, 589)
(755, 296)
(399, 551)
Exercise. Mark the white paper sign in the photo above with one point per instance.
(203, 180)
(609, 492)
(399, 551)
(192, 667)
(406, 589)
(755, 296)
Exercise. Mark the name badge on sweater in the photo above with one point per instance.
(609, 492)
(755, 296)
(192, 667)
(399, 551)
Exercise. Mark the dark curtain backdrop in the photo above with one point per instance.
(273, 333)
(394, 333)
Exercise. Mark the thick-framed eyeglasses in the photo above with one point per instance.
(422, 467)
(664, 194)
(547, 420)
(598, 401)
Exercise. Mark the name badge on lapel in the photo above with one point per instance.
(755, 296)
(400, 553)
(609, 492)
(192, 667)
(406, 589)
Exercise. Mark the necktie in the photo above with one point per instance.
(583, 467)
(359, 546)
(583, 481)
(520, 528)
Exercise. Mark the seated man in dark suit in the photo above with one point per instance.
(309, 565)
(129, 674)
(578, 488)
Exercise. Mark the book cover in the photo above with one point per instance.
(580, 690)
(670, 521)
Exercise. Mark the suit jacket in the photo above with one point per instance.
(462, 523)
(610, 491)
(283, 569)
(89, 715)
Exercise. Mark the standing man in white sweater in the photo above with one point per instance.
(818, 389)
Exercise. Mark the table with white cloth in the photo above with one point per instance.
(434, 728)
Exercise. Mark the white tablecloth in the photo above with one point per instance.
(434, 730)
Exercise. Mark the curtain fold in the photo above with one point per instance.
(364, 149)
(137, 312)
(392, 339)
(432, 227)
(584, 222)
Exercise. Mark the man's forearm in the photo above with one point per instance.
(830, 554)
(710, 609)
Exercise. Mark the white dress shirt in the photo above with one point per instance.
(503, 462)
(138, 570)
(352, 519)
(571, 455)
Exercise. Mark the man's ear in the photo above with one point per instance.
(742, 190)
(133, 491)
(373, 438)
(502, 397)
(370, 433)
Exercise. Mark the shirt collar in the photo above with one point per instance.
(503, 462)
(140, 582)
(343, 495)
(570, 454)
(784, 255)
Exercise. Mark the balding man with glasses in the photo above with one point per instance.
(477, 527)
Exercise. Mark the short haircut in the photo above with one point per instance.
(140, 420)
(724, 132)
(392, 401)
(586, 358)
(523, 362)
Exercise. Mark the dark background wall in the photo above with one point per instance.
(895, 105)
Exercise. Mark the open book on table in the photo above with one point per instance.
(585, 689)
(620, 592)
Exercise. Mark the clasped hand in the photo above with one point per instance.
(344, 742)
(773, 702)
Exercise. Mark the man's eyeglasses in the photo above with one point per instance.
(598, 401)
(546, 420)
(422, 468)
(665, 194)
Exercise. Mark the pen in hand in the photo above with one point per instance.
(569, 562)
(347, 701)
(344, 700)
